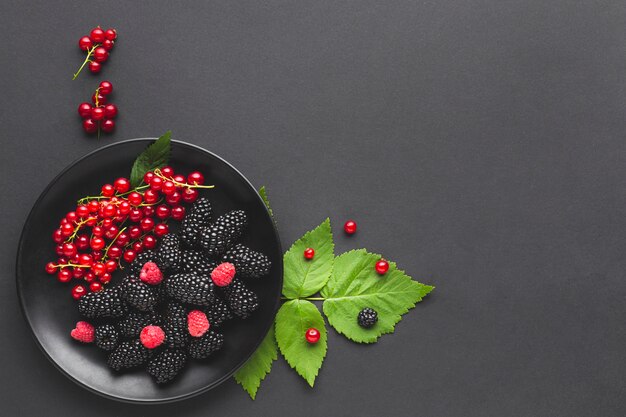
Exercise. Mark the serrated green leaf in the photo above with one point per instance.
(250, 375)
(156, 155)
(303, 277)
(354, 285)
(263, 194)
(292, 321)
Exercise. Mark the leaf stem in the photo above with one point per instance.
(305, 298)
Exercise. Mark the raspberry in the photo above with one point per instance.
(107, 303)
(83, 332)
(141, 259)
(128, 355)
(223, 274)
(152, 336)
(218, 313)
(138, 294)
(367, 317)
(197, 323)
(166, 365)
(169, 252)
(107, 337)
(204, 346)
(191, 288)
(151, 274)
(240, 299)
(219, 236)
(175, 326)
(249, 263)
(135, 321)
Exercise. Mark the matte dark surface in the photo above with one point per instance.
(51, 312)
(480, 144)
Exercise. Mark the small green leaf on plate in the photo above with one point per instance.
(294, 318)
(354, 285)
(303, 277)
(250, 375)
(156, 155)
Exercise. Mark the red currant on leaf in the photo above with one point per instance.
(309, 253)
(312, 335)
(382, 267)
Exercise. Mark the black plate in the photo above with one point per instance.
(51, 312)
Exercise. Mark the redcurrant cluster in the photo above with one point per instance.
(94, 238)
(100, 114)
(97, 45)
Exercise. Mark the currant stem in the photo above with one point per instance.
(89, 53)
(106, 250)
(70, 264)
(159, 174)
(77, 228)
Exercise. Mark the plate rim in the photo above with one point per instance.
(20, 248)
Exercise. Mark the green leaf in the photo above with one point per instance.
(294, 318)
(156, 155)
(355, 285)
(303, 277)
(263, 194)
(250, 375)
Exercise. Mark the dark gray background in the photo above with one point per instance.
(479, 143)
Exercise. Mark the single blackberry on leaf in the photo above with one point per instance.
(138, 294)
(216, 238)
(107, 303)
(107, 337)
(175, 325)
(128, 355)
(367, 317)
(240, 299)
(148, 256)
(204, 346)
(169, 253)
(135, 321)
(191, 288)
(218, 312)
(249, 263)
(196, 261)
(166, 365)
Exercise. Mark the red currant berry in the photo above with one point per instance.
(82, 242)
(95, 67)
(134, 232)
(151, 196)
(148, 211)
(190, 195)
(312, 335)
(156, 183)
(124, 207)
(67, 229)
(135, 198)
(195, 178)
(97, 243)
(100, 54)
(146, 224)
(85, 259)
(71, 216)
(178, 213)
(161, 229)
(82, 211)
(97, 35)
(349, 227)
(107, 44)
(90, 126)
(84, 110)
(93, 206)
(92, 221)
(108, 125)
(98, 269)
(62, 260)
(168, 187)
(110, 210)
(107, 190)
(110, 266)
(138, 247)
(179, 178)
(99, 99)
(97, 113)
(105, 87)
(78, 273)
(122, 239)
(382, 267)
(89, 276)
(59, 249)
(167, 171)
(149, 242)
(163, 211)
(64, 275)
(106, 277)
(111, 232)
(114, 252)
(129, 256)
(78, 291)
(97, 231)
(135, 215)
(57, 236)
(69, 250)
(309, 253)
(110, 111)
(95, 286)
(97, 255)
(85, 43)
(148, 177)
(51, 268)
(110, 34)
(173, 199)
(121, 185)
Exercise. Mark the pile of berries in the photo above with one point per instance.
(117, 226)
(97, 45)
(174, 299)
(101, 113)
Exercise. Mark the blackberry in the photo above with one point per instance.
(128, 355)
(138, 294)
(240, 299)
(169, 252)
(218, 313)
(175, 326)
(195, 261)
(202, 210)
(107, 337)
(131, 325)
(191, 288)
(367, 317)
(202, 347)
(166, 365)
(249, 263)
(107, 303)
(148, 256)
(197, 219)
(219, 236)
